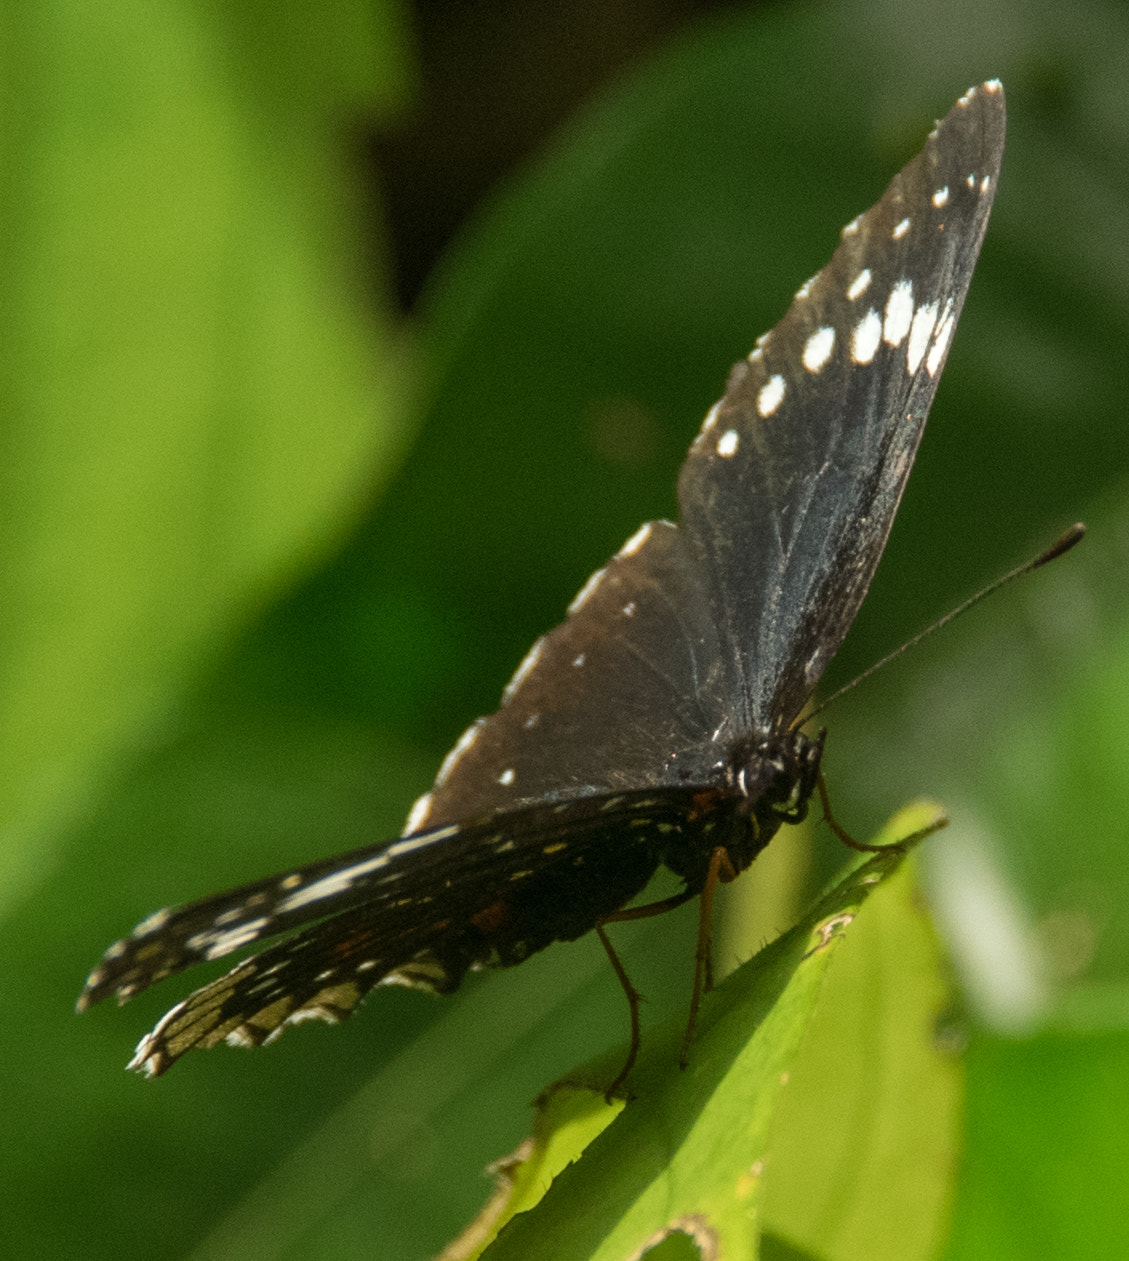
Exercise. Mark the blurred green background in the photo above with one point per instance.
(290, 478)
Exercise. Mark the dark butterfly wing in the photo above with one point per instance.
(624, 694)
(788, 494)
(698, 634)
(418, 912)
(611, 751)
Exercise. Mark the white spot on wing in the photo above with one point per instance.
(524, 666)
(507, 777)
(985, 183)
(818, 348)
(970, 180)
(865, 337)
(469, 736)
(421, 808)
(584, 594)
(941, 197)
(410, 844)
(924, 321)
(727, 444)
(851, 228)
(900, 229)
(711, 418)
(940, 347)
(899, 313)
(578, 660)
(770, 395)
(152, 923)
(216, 945)
(805, 289)
(335, 882)
(859, 285)
(636, 541)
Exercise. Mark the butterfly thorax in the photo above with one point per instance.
(769, 779)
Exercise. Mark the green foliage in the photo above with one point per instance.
(232, 640)
(691, 1152)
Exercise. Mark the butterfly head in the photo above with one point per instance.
(775, 774)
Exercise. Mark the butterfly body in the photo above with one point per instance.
(658, 725)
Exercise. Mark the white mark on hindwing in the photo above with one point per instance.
(469, 736)
(727, 444)
(519, 676)
(711, 418)
(334, 883)
(900, 229)
(507, 777)
(215, 945)
(859, 285)
(410, 844)
(585, 593)
(636, 541)
(152, 923)
(941, 197)
(770, 395)
(421, 808)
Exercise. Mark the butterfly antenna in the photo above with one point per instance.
(1059, 548)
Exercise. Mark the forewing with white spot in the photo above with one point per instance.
(786, 530)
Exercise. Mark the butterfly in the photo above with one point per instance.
(660, 723)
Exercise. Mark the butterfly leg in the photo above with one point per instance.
(634, 998)
(898, 847)
(841, 832)
(720, 870)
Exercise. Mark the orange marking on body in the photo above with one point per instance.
(705, 802)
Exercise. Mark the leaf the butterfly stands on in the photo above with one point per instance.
(658, 725)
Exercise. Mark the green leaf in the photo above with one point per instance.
(195, 400)
(1047, 1148)
(866, 1138)
(688, 1152)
